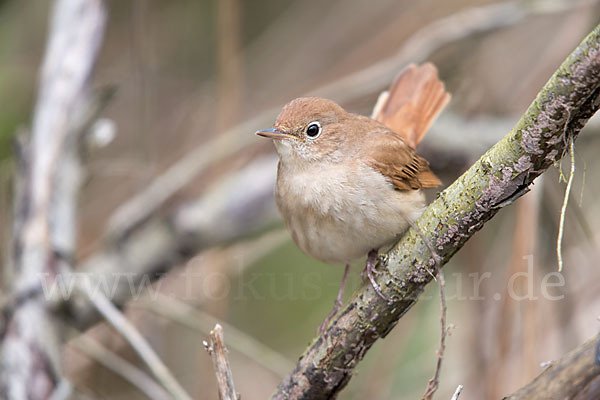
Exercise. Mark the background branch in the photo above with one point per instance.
(574, 376)
(138, 378)
(502, 175)
(45, 207)
(118, 321)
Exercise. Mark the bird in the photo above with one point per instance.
(348, 185)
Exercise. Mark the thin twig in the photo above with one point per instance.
(218, 353)
(113, 362)
(456, 394)
(563, 210)
(434, 382)
(138, 343)
(582, 184)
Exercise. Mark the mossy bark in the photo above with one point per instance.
(498, 178)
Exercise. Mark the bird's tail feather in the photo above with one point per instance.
(414, 100)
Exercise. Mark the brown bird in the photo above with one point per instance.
(347, 184)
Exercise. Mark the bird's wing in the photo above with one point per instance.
(387, 152)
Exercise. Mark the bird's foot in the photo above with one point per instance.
(370, 271)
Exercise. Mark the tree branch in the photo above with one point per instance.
(501, 176)
(575, 376)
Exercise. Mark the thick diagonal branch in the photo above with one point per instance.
(502, 175)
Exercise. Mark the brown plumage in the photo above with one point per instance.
(414, 100)
(387, 152)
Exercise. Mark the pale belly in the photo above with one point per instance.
(337, 221)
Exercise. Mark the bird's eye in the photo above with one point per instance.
(313, 129)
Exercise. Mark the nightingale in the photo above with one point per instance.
(348, 185)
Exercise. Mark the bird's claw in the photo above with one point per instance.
(370, 271)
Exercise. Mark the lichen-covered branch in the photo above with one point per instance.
(498, 178)
(575, 376)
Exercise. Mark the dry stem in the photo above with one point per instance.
(218, 352)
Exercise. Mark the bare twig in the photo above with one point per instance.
(138, 378)
(434, 382)
(563, 210)
(218, 353)
(118, 321)
(456, 394)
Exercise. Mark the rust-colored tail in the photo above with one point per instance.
(414, 100)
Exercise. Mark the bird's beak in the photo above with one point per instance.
(273, 133)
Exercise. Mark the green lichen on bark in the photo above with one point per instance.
(499, 177)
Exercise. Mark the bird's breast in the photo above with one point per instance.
(339, 212)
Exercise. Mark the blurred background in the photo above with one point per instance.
(195, 79)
